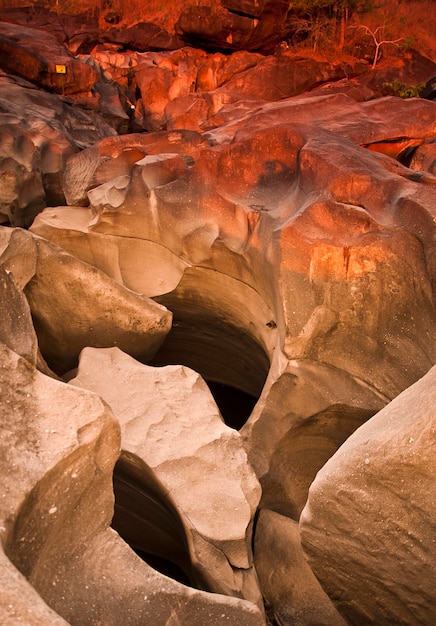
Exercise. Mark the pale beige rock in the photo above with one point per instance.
(368, 526)
(52, 470)
(118, 587)
(170, 422)
(291, 591)
(20, 604)
(74, 305)
(16, 328)
(59, 445)
(308, 412)
(18, 254)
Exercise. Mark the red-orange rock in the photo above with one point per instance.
(38, 57)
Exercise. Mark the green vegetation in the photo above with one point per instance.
(400, 89)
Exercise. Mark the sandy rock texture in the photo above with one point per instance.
(292, 593)
(241, 293)
(327, 250)
(73, 304)
(172, 428)
(371, 509)
(59, 557)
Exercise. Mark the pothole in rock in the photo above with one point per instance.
(146, 519)
(225, 335)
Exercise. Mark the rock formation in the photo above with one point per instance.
(374, 501)
(259, 260)
(58, 448)
(171, 428)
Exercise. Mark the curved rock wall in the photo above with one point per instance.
(269, 243)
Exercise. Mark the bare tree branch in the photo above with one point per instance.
(378, 42)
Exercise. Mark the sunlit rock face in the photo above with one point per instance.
(235, 24)
(274, 246)
(371, 509)
(297, 265)
(39, 58)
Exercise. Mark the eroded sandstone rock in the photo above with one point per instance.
(171, 426)
(16, 328)
(52, 471)
(291, 591)
(301, 252)
(368, 527)
(105, 314)
(38, 133)
(59, 557)
(75, 305)
(39, 58)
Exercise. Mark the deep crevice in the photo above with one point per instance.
(147, 520)
(218, 330)
(235, 405)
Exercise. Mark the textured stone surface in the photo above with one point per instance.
(170, 422)
(299, 253)
(38, 132)
(294, 251)
(368, 526)
(74, 304)
(34, 55)
(58, 448)
(292, 593)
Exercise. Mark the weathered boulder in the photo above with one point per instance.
(292, 593)
(56, 475)
(17, 266)
(234, 25)
(368, 526)
(115, 157)
(74, 305)
(162, 85)
(172, 428)
(59, 557)
(142, 37)
(79, 32)
(16, 327)
(423, 159)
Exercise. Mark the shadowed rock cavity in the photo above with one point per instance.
(147, 521)
(211, 315)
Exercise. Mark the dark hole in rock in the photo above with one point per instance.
(147, 520)
(216, 331)
(235, 405)
(170, 569)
